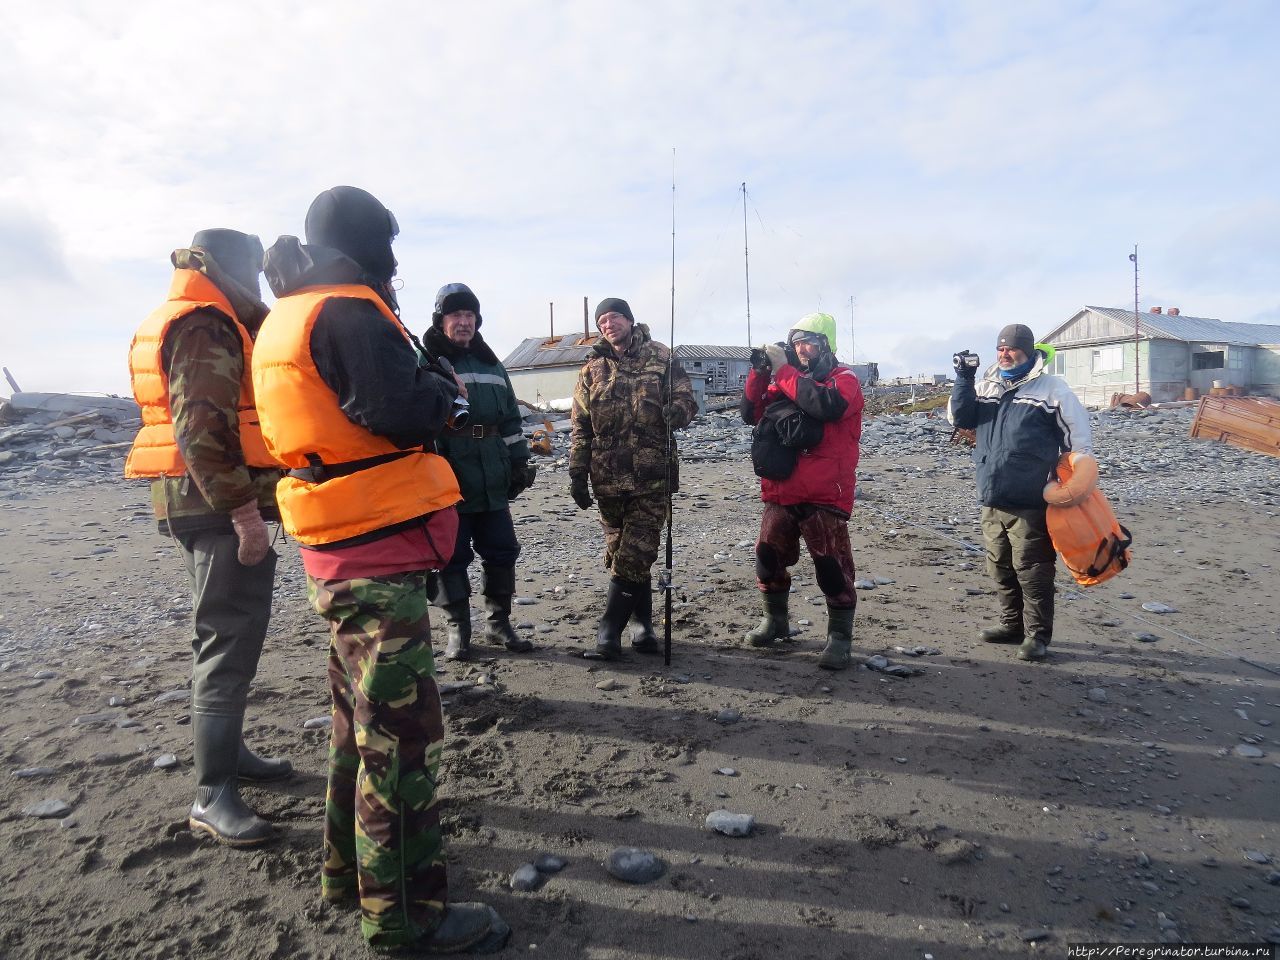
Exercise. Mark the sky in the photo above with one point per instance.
(924, 171)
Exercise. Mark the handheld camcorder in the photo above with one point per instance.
(965, 359)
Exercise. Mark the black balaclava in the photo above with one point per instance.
(453, 297)
(238, 255)
(354, 222)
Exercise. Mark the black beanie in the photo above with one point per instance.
(453, 297)
(354, 222)
(1019, 337)
(614, 305)
(239, 255)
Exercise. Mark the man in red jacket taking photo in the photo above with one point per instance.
(803, 383)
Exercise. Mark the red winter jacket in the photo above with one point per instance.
(825, 474)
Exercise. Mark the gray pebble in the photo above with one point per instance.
(1097, 695)
(318, 723)
(864, 584)
(1240, 903)
(166, 761)
(116, 702)
(174, 696)
(47, 809)
(730, 824)
(607, 684)
(525, 601)
(550, 863)
(88, 719)
(31, 773)
(634, 865)
(1153, 606)
(1150, 887)
(44, 675)
(727, 772)
(876, 662)
(1145, 637)
(1035, 934)
(1248, 751)
(728, 715)
(1256, 856)
(526, 878)
(1273, 878)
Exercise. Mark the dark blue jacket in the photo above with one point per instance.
(1023, 426)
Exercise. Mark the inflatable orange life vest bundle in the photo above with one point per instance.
(1093, 544)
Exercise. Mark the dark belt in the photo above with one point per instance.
(477, 430)
(319, 471)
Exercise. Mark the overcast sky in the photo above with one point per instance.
(952, 166)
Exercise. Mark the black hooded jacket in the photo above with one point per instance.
(380, 378)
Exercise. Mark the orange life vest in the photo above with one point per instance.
(1084, 529)
(304, 426)
(155, 451)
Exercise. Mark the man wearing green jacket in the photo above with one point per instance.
(490, 457)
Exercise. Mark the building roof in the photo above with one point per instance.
(574, 349)
(699, 351)
(570, 350)
(1163, 326)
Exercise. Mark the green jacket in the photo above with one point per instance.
(481, 464)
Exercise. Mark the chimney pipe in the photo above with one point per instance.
(553, 319)
(1157, 310)
(586, 328)
(1174, 311)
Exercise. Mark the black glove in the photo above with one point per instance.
(966, 364)
(581, 495)
(522, 474)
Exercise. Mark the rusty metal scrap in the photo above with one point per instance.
(1251, 423)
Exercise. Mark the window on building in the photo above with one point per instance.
(1108, 359)
(1235, 359)
(1058, 365)
(1208, 360)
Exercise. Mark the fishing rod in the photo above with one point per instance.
(664, 581)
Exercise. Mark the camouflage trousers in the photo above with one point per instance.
(827, 537)
(632, 533)
(382, 835)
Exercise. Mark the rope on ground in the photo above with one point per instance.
(974, 548)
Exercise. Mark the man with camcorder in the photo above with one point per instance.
(1025, 418)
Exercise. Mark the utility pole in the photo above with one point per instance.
(1137, 330)
(746, 262)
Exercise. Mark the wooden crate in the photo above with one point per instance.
(1251, 423)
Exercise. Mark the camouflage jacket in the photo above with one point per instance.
(619, 422)
(204, 361)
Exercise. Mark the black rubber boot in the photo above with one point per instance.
(218, 810)
(450, 590)
(836, 654)
(261, 769)
(643, 639)
(457, 628)
(1005, 633)
(774, 625)
(499, 587)
(617, 611)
